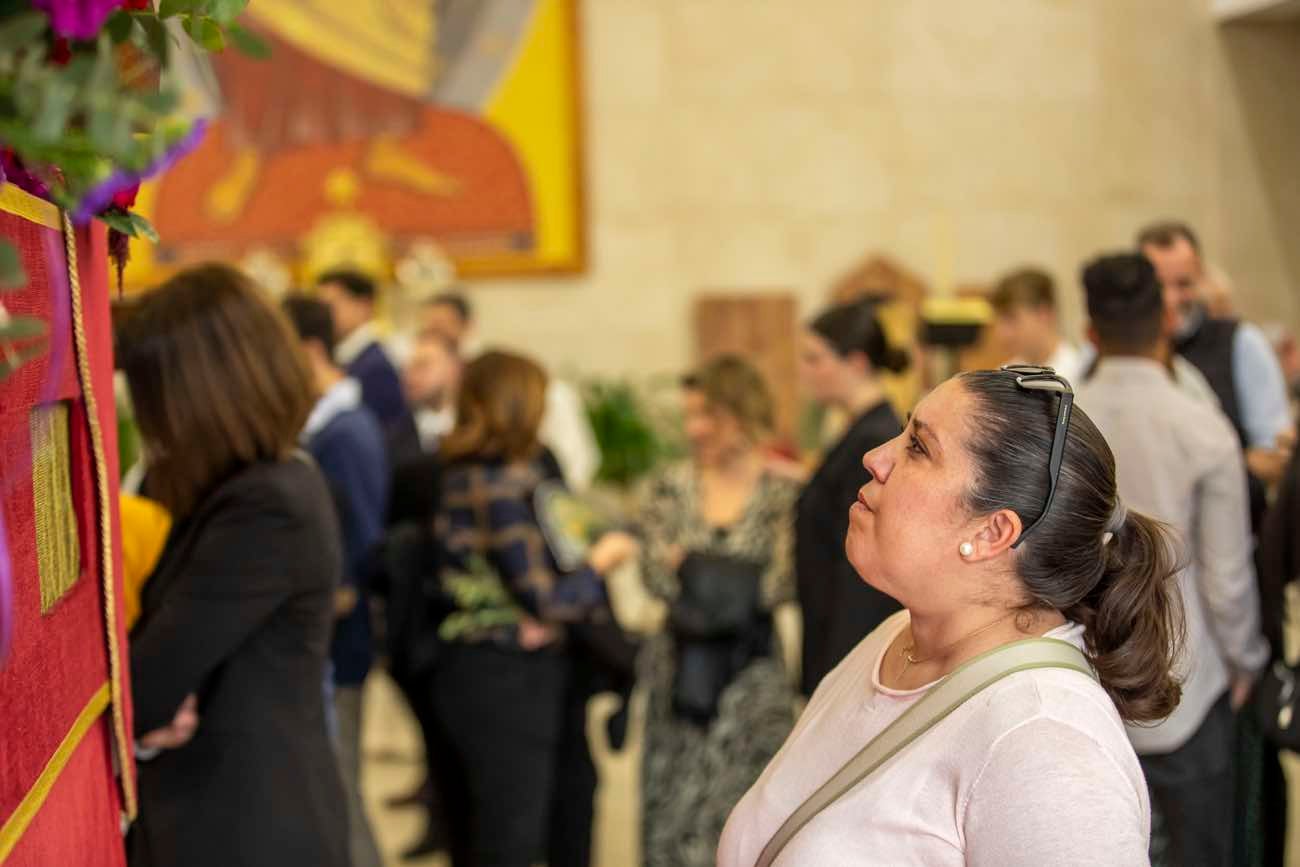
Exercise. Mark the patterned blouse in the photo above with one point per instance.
(764, 533)
(499, 566)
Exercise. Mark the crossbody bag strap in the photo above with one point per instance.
(943, 698)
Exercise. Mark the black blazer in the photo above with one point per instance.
(839, 608)
(239, 612)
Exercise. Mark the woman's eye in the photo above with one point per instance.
(915, 447)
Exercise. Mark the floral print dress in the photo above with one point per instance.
(692, 776)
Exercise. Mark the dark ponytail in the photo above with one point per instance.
(1133, 619)
(854, 327)
(1109, 570)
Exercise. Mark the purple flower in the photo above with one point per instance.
(100, 196)
(77, 19)
(16, 173)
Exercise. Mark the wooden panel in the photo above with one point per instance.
(763, 329)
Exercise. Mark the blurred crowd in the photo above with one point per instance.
(312, 502)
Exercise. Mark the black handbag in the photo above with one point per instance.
(719, 626)
(1276, 702)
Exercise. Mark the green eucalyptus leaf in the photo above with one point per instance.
(172, 8)
(157, 38)
(79, 70)
(12, 275)
(119, 221)
(100, 125)
(248, 42)
(207, 33)
(160, 101)
(20, 31)
(143, 229)
(120, 26)
(56, 108)
(226, 11)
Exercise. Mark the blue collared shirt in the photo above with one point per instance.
(1261, 387)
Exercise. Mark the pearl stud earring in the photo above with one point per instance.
(966, 549)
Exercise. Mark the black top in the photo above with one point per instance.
(839, 608)
(239, 612)
(1210, 350)
(1277, 557)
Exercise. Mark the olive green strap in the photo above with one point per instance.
(943, 698)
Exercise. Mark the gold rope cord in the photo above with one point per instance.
(124, 743)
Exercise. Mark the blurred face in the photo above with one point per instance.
(349, 312)
(1026, 333)
(431, 372)
(826, 375)
(711, 433)
(445, 320)
(906, 527)
(1179, 269)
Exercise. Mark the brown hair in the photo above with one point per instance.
(1121, 590)
(502, 399)
(1027, 287)
(1166, 233)
(733, 385)
(216, 378)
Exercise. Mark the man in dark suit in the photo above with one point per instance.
(351, 296)
(348, 445)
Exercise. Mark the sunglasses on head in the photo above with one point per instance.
(1033, 378)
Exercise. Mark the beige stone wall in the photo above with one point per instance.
(770, 143)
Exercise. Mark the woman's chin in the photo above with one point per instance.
(860, 552)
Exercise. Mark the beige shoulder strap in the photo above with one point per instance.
(942, 699)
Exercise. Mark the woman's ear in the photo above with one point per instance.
(998, 532)
(859, 362)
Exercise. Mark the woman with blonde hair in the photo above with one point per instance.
(718, 533)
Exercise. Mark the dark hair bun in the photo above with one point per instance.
(896, 360)
(854, 327)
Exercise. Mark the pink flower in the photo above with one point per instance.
(125, 197)
(77, 19)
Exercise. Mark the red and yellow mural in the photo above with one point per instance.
(381, 125)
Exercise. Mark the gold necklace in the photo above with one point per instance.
(910, 660)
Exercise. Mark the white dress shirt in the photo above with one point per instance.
(567, 433)
(1068, 361)
(1179, 461)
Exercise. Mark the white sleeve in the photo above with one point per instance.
(1051, 794)
(567, 433)
(1225, 558)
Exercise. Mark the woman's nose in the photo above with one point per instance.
(879, 463)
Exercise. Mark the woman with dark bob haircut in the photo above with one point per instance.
(984, 724)
(228, 656)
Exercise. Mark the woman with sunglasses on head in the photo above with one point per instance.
(842, 355)
(983, 725)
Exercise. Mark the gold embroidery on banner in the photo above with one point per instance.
(14, 826)
(58, 548)
(23, 204)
